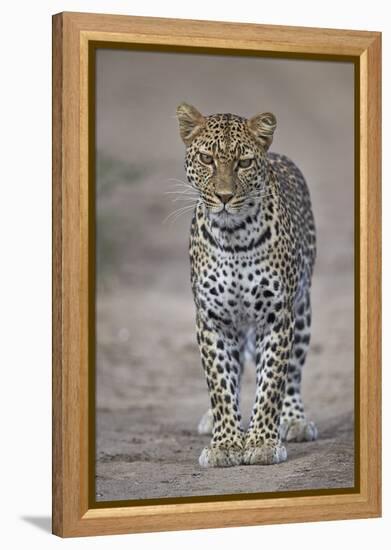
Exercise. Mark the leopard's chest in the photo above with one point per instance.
(241, 289)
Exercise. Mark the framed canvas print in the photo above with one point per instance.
(216, 274)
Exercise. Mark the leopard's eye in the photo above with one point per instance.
(245, 163)
(206, 159)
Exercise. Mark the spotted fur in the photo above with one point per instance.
(252, 252)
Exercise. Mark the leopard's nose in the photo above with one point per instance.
(225, 196)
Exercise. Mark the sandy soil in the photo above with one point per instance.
(150, 387)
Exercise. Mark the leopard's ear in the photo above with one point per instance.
(190, 122)
(262, 126)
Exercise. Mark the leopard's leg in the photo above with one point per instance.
(221, 362)
(205, 425)
(273, 348)
(294, 424)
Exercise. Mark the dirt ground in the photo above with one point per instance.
(150, 387)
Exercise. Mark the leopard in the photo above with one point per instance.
(252, 255)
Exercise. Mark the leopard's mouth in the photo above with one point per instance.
(230, 214)
(232, 210)
(219, 210)
(224, 217)
(227, 210)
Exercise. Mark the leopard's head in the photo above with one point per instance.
(226, 159)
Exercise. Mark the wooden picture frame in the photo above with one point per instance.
(74, 37)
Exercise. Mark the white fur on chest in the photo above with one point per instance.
(237, 287)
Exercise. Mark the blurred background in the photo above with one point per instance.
(151, 390)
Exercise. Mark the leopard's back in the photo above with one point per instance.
(295, 193)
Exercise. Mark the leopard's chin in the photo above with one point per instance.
(225, 218)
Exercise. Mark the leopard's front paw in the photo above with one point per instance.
(264, 453)
(221, 457)
(205, 425)
(298, 430)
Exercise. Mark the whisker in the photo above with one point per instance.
(211, 204)
(173, 215)
(176, 213)
(177, 182)
(175, 218)
(179, 214)
(183, 199)
(178, 188)
(181, 192)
